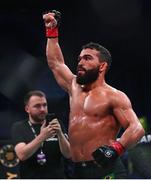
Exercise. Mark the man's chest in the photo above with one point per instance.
(90, 104)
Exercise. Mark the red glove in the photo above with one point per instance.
(53, 32)
(106, 155)
(118, 147)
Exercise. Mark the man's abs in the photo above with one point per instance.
(87, 134)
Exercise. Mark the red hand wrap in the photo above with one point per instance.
(118, 147)
(52, 33)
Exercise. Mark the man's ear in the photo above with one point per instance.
(26, 108)
(103, 66)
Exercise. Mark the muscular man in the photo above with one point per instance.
(40, 146)
(97, 110)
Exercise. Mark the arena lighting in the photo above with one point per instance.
(20, 75)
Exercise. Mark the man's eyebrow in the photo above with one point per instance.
(85, 55)
(38, 104)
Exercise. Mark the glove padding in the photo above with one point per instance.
(57, 16)
(106, 155)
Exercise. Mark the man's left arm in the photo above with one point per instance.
(125, 115)
(133, 130)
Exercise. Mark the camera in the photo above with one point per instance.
(50, 117)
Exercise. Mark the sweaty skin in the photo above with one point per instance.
(92, 119)
(97, 110)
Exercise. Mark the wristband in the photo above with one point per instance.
(52, 33)
(118, 147)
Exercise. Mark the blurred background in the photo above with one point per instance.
(122, 26)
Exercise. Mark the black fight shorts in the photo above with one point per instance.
(90, 170)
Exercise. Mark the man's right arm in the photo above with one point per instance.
(54, 55)
(25, 150)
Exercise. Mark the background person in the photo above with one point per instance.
(40, 147)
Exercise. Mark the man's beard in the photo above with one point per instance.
(38, 117)
(89, 77)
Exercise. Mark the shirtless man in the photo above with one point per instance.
(97, 110)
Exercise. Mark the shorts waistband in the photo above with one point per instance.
(85, 164)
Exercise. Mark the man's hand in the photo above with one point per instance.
(49, 20)
(47, 131)
(55, 125)
(52, 21)
(106, 155)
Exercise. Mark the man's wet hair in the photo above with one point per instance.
(104, 54)
(33, 93)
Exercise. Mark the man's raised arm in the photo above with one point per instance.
(54, 54)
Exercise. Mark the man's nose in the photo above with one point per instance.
(81, 61)
(42, 108)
